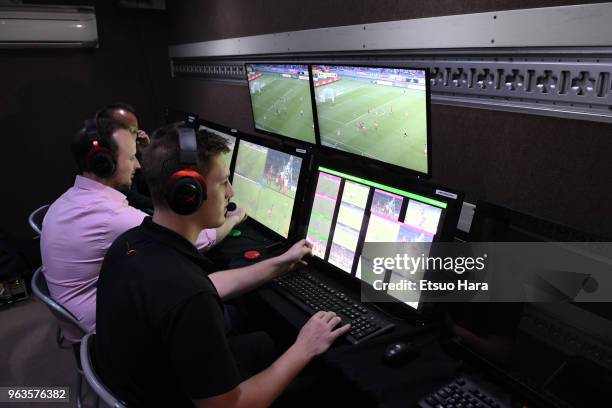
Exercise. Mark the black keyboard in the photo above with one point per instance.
(460, 393)
(312, 295)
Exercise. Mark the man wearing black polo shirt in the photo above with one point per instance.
(160, 337)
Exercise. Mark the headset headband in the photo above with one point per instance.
(91, 129)
(188, 146)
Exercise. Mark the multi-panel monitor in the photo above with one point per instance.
(348, 211)
(265, 183)
(280, 100)
(375, 112)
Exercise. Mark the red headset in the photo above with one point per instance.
(186, 188)
(100, 159)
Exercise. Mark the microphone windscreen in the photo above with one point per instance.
(231, 207)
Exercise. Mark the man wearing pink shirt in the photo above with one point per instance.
(81, 225)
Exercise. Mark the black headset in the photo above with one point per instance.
(186, 189)
(100, 158)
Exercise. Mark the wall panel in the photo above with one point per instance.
(46, 93)
(193, 21)
(550, 167)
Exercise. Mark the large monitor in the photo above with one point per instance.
(280, 100)
(348, 211)
(375, 112)
(265, 183)
(231, 142)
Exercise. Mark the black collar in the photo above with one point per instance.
(175, 240)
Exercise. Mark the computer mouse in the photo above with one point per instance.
(399, 353)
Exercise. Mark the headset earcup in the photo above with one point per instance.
(102, 164)
(185, 196)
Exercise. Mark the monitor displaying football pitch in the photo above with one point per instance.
(379, 113)
(265, 183)
(280, 100)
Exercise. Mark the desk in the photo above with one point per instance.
(357, 370)
(229, 253)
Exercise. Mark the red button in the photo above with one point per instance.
(252, 255)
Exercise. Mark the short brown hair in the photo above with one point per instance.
(161, 158)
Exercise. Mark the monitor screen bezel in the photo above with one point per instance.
(346, 165)
(390, 166)
(223, 129)
(304, 154)
(310, 87)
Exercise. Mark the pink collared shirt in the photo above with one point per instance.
(78, 229)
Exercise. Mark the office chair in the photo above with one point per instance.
(41, 290)
(92, 377)
(36, 218)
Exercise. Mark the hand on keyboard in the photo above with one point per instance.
(314, 296)
(317, 335)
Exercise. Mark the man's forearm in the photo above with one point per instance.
(234, 282)
(262, 389)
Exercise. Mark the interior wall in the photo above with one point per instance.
(194, 20)
(548, 167)
(46, 93)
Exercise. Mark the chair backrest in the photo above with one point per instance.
(36, 218)
(92, 377)
(41, 290)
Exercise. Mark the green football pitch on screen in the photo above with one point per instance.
(265, 183)
(280, 99)
(375, 113)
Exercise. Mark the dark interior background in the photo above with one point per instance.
(47, 93)
(552, 168)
